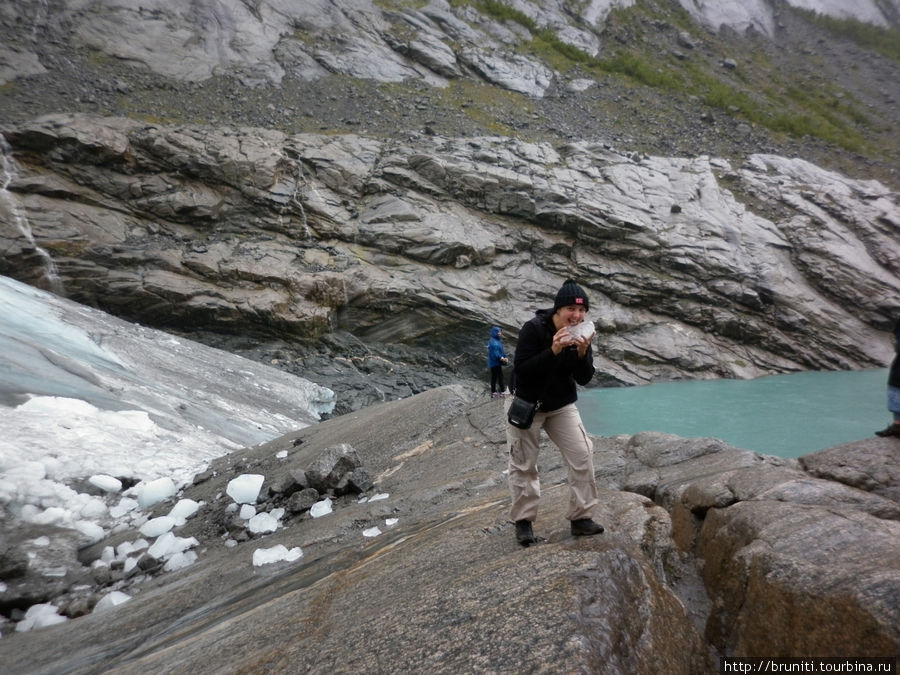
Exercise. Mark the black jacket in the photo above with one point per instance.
(542, 376)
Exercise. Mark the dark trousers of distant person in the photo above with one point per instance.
(497, 385)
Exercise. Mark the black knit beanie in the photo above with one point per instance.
(571, 293)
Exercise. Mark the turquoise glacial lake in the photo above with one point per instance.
(782, 415)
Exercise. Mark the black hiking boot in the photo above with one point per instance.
(890, 430)
(585, 527)
(524, 534)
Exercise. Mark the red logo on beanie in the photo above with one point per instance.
(579, 301)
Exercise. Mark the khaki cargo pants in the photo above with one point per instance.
(565, 429)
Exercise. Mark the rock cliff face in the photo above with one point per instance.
(696, 267)
(709, 551)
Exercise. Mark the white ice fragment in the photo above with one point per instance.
(282, 454)
(160, 548)
(26, 472)
(41, 541)
(155, 491)
(118, 528)
(168, 545)
(379, 497)
(39, 616)
(54, 515)
(390, 522)
(262, 522)
(157, 526)
(7, 491)
(106, 483)
(183, 510)
(125, 505)
(245, 488)
(321, 508)
(110, 600)
(92, 531)
(247, 512)
(583, 329)
(179, 560)
(92, 509)
(128, 547)
(55, 404)
(264, 556)
(371, 532)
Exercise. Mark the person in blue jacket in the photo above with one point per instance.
(496, 359)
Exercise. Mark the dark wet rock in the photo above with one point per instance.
(303, 500)
(13, 561)
(330, 469)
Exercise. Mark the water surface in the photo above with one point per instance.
(783, 415)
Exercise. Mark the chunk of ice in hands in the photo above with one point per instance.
(583, 329)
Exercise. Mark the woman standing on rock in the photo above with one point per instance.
(551, 357)
(893, 389)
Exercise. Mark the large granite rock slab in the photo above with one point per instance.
(799, 557)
